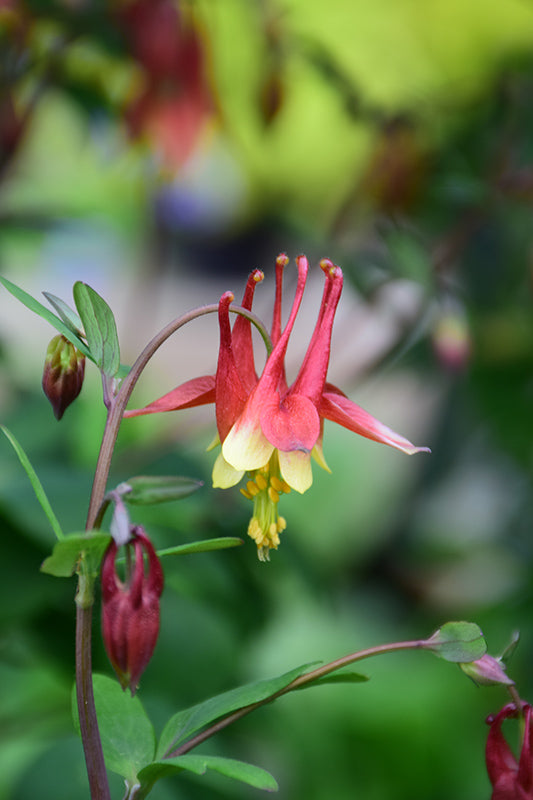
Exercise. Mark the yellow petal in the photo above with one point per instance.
(295, 467)
(224, 475)
(246, 447)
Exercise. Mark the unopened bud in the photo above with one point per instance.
(130, 608)
(64, 368)
(487, 671)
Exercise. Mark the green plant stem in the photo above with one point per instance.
(92, 746)
(297, 683)
(90, 734)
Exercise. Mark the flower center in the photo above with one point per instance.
(264, 487)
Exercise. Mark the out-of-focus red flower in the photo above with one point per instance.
(511, 779)
(130, 609)
(14, 117)
(174, 101)
(266, 428)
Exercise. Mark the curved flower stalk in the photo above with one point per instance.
(266, 428)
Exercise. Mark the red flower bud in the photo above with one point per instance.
(130, 609)
(511, 779)
(64, 368)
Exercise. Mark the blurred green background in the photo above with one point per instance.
(159, 151)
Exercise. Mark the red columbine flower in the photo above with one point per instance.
(130, 609)
(174, 101)
(511, 779)
(268, 429)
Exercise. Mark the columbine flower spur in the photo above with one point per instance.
(267, 429)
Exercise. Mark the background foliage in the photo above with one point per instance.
(159, 152)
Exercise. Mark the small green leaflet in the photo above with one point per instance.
(239, 770)
(68, 552)
(457, 642)
(100, 328)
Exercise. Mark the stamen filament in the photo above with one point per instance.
(264, 488)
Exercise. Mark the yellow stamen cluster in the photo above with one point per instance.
(265, 487)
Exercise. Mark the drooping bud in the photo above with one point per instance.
(64, 368)
(130, 608)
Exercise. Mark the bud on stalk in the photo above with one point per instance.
(64, 368)
(130, 608)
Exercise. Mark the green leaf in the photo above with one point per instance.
(221, 543)
(100, 328)
(67, 553)
(128, 738)
(337, 677)
(38, 308)
(152, 489)
(35, 482)
(186, 723)
(69, 317)
(239, 770)
(457, 642)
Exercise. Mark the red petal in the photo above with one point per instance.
(155, 579)
(500, 760)
(273, 372)
(525, 763)
(242, 335)
(230, 394)
(281, 262)
(196, 392)
(312, 375)
(265, 395)
(137, 579)
(109, 579)
(335, 406)
(292, 425)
